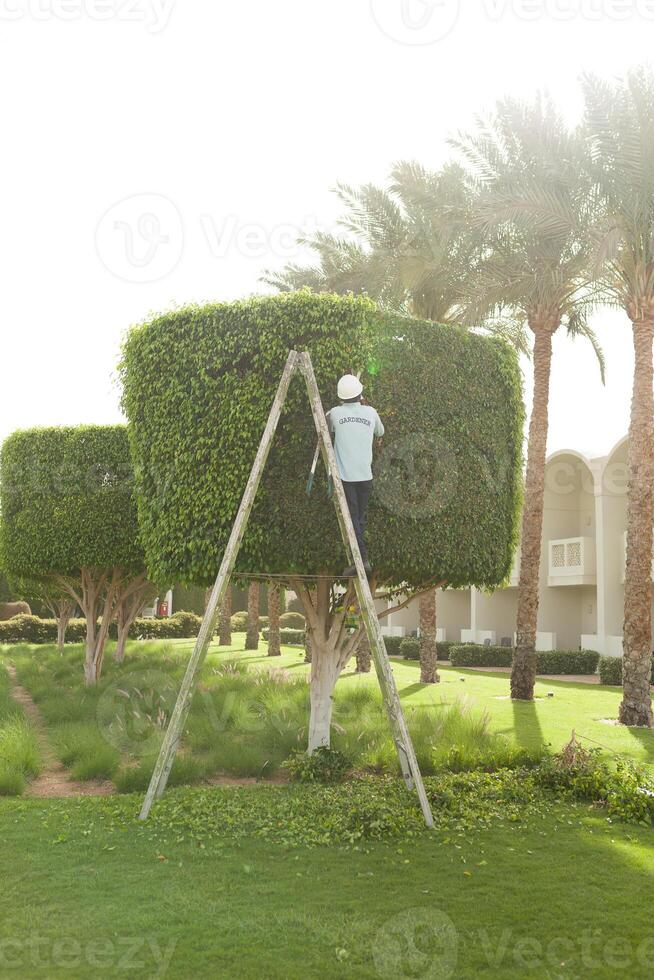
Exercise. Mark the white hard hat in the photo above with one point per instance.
(349, 387)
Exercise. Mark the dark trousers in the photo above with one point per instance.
(358, 495)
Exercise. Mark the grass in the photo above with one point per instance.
(245, 719)
(250, 713)
(205, 889)
(19, 751)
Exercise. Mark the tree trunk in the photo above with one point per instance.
(636, 705)
(64, 610)
(225, 620)
(428, 648)
(131, 598)
(307, 645)
(324, 674)
(523, 672)
(363, 654)
(274, 605)
(252, 633)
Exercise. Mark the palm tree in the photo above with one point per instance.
(252, 630)
(410, 249)
(274, 610)
(533, 215)
(619, 121)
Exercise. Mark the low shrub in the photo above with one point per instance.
(190, 623)
(144, 628)
(567, 662)
(474, 655)
(627, 791)
(393, 644)
(610, 671)
(290, 638)
(239, 622)
(28, 629)
(292, 621)
(410, 648)
(323, 765)
(547, 662)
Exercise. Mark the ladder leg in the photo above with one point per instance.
(401, 737)
(180, 712)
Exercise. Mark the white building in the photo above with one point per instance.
(582, 566)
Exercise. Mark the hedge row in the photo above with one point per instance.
(610, 671)
(290, 638)
(548, 662)
(239, 622)
(409, 648)
(32, 629)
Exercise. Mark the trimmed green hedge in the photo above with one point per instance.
(292, 621)
(239, 622)
(568, 662)
(393, 644)
(610, 671)
(32, 629)
(202, 378)
(410, 648)
(548, 662)
(290, 638)
(474, 655)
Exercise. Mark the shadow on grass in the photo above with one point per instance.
(526, 726)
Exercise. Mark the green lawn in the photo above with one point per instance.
(88, 891)
(221, 881)
(547, 721)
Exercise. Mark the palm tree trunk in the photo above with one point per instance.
(225, 620)
(636, 705)
(363, 654)
(274, 605)
(428, 648)
(252, 632)
(523, 673)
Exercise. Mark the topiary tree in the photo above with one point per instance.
(70, 521)
(448, 478)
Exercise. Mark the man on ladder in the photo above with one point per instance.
(354, 426)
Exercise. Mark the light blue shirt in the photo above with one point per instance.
(354, 427)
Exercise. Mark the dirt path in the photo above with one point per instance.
(54, 780)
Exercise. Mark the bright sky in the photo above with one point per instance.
(157, 152)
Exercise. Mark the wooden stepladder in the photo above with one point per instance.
(401, 737)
